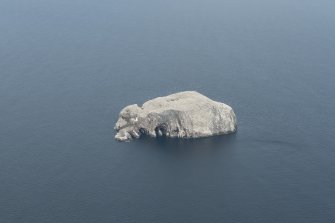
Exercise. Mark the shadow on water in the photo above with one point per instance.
(189, 147)
(185, 161)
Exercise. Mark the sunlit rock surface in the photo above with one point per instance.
(187, 114)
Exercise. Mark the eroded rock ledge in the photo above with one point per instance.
(187, 114)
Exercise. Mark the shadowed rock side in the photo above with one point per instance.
(187, 114)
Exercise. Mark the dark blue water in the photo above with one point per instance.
(68, 67)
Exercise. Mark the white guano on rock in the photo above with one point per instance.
(187, 114)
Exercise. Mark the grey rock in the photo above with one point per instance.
(187, 114)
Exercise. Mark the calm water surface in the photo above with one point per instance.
(68, 67)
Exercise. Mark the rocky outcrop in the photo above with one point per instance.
(187, 114)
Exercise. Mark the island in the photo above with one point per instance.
(186, 114)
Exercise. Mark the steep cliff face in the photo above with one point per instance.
(187, 114)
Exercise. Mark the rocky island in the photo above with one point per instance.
(187, 114)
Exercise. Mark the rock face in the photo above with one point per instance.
(187, 114)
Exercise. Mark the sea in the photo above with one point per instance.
(67, 68)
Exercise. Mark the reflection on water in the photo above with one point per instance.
(190, 147)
